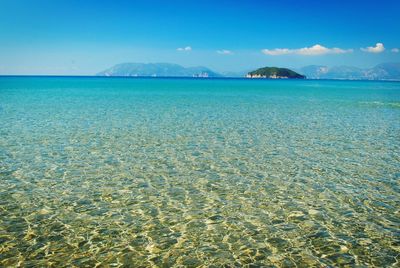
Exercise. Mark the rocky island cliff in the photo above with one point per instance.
(275, 73)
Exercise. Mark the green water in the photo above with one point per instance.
(199, 173)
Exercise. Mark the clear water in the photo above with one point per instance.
(191, 172)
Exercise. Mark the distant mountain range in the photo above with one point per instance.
(384, 71)
(157, 69)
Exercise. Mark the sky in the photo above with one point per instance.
(76, 37)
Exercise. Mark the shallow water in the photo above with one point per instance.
(193, 172)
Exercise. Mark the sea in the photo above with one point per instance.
(169, 172)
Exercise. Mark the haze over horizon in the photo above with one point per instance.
(86, 37)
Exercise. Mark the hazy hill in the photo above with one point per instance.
(157, 69)
(384, 71)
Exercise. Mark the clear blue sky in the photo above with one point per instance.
(84, 37)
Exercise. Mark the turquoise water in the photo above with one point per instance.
(198, 173)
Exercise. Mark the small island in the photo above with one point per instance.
(275, 73)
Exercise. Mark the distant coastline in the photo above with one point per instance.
(194, 78)
(381, 72)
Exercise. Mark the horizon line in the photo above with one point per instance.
(198, 78)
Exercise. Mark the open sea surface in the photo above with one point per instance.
(124, 172)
